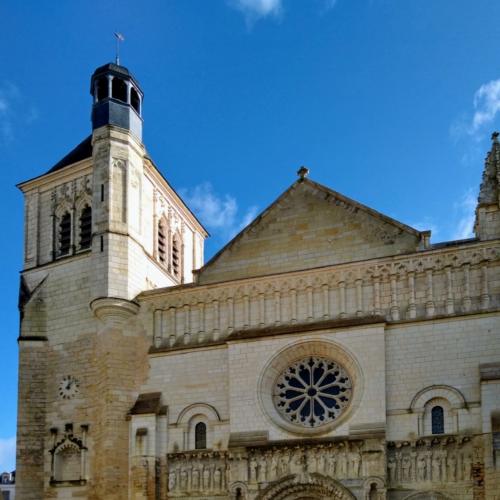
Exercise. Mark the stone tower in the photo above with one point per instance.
(101, 226)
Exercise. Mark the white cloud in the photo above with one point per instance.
(486, 105)
(13, 111)
(220, 214)
(7, 454)
(465, 209)
(255, 9)
(330, 4)
(427, 224)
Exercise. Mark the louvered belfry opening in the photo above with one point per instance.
(162, 243)
(86, 227)
(65, 234)
(176, 257)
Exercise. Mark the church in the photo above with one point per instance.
(327, 352)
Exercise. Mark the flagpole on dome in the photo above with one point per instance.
(119, 38)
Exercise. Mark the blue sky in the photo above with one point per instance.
(390, 102)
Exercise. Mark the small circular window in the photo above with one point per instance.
(312, 392)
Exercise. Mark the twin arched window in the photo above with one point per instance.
(65, 236)
(172, 262)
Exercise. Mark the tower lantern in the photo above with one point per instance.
(117, 99)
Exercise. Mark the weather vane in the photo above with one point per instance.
(119, 38)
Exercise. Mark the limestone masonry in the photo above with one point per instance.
(328, 351)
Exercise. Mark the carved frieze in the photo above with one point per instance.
(447, 459)
(213, 472)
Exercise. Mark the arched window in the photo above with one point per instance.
(162, 243)
(437, 420)
(135, 101)
(373, 493)
(102, 88)
(119, 89)
(176, 257)
(65, 234)
(200, 436)
(86, 227)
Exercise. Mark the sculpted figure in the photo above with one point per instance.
(320, 462)
(171, 481)
(452, 467)
(355, 464)
(436, 467)
(391, 465)
(253, 470)
(195, 479)
(217, 479)
(406, 468)
(467, 467)
(421, 467)
(284, 462)
(206, 478)
(398, 467)
(444, 469)
(184, 479)
(274, 466)
(341, 465)
(331, 464)
(263, 469)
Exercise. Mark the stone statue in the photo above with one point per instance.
(452, 467)
(467, 467)
(274, 467)
(421, 467)
(184, 479)
(355, 459)
(217, 479)
(171, 481)
(253, 470)
(206, 478)
(195, 479)
(406, 468)
(436, 467)
(391, 465)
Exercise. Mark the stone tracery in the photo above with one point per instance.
(312, 391)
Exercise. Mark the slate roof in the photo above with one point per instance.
(79, 153)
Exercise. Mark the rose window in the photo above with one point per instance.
(312, 392)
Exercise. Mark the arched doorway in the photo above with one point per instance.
(312, 487)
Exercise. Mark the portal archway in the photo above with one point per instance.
(312, 487)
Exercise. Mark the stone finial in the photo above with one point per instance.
(494, 137)
(302, 172)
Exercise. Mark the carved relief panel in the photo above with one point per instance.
(434, 460)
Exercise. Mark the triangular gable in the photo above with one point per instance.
(309, 226)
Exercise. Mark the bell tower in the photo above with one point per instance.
(101, 226)
(117, 99)
(118, 156)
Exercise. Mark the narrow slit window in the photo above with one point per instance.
(162, 243)
(86, 227)
(65, 234)
(200, 436)
(437, 419)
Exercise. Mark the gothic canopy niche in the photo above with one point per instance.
(314, 486)
(310, 387)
